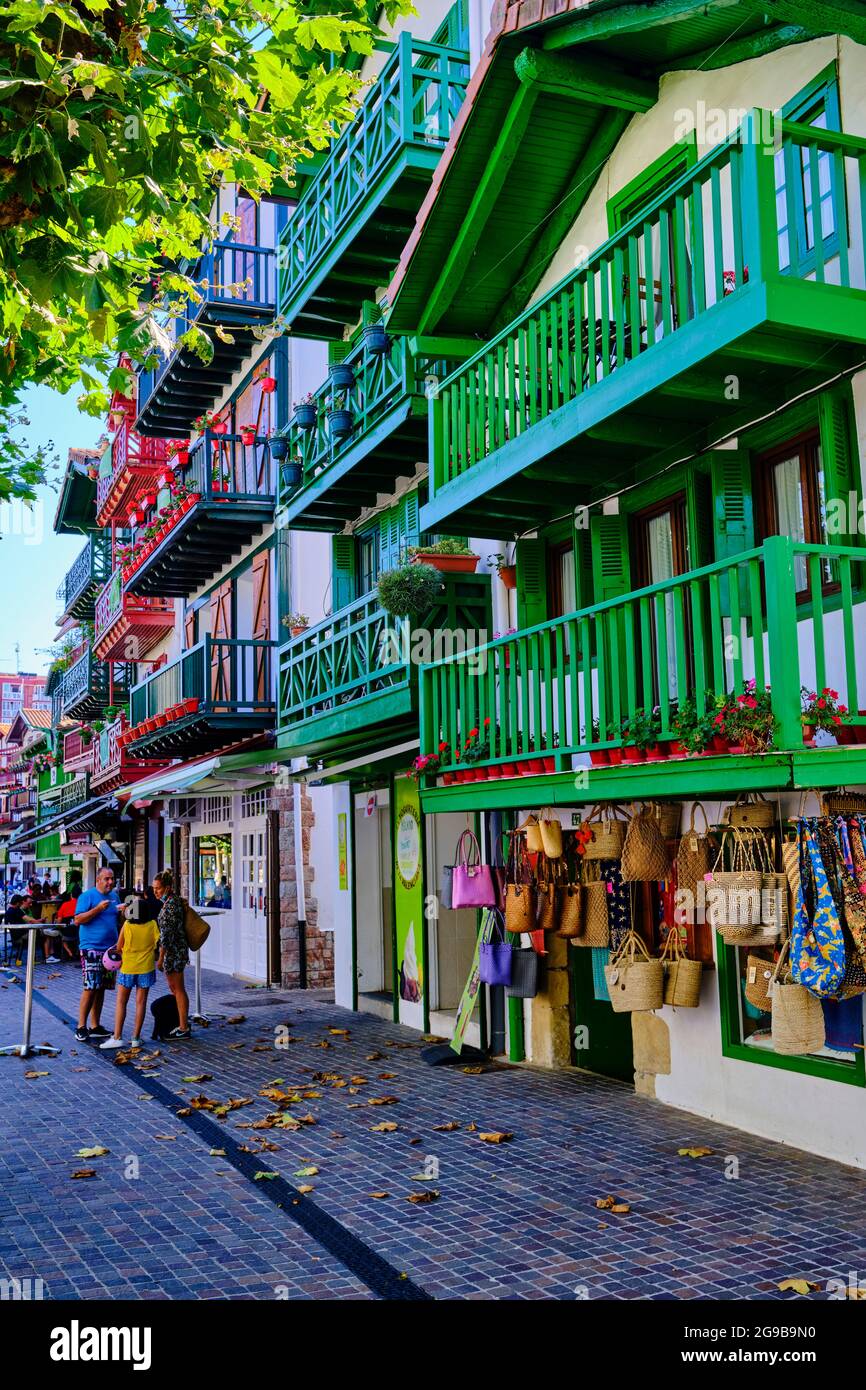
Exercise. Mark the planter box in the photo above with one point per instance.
(632, 754)
(510, 770)
(447, 564)
(549, 764)
(599, 757)
(190, 706)
(614, 756)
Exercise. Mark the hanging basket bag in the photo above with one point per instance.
(751, 811)
(758, 987)
(798, 1018)
(551, 834)
(775, 911)
(520, 907)
(693, 853)
(570, 911)
(644, 855)
(682, 976)
(734, 895)
(524, 974)
(669, 814)
(547, 919)
(635, 980)
(531, 832)
(596, 920)
(844, 803)
(494, 958)
(608, 833)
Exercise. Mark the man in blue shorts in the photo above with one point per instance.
(96, 916)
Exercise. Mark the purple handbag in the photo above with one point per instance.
(471, 882)
(494, 959)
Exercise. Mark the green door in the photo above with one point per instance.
(604, 1045)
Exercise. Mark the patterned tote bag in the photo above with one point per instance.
(817, 941)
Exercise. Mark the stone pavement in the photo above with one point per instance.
(164, 1217)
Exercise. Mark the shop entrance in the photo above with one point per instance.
(253, 943)
(605, 1045)
(374, 901)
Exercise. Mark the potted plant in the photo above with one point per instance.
(376, 338)
(341, 376)
(449, 556)
(644, 729)
(598, 757)
(268, 384)
(306, 412)
(507, 573)
(750, 723)
(821, 712)
(178, 450)
(247, 434)
(190, 705)
(278, 443)
(476, 751)
(426, 764)
(291, 474)
(340, 420)
(296, 623)
(409, 591)
(210, 420)
(219, 481)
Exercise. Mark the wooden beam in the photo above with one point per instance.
(756, 45)
(483, 201)
(430, 346)
(624, 19)
(585, 79)
(820, 16)
(563, 215)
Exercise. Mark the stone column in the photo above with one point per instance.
(319, 945)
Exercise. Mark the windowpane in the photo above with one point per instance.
(212, 870)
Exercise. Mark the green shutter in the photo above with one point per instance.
(337, 351)
(699, 519)
(611, 573)
(842, 481)
(733, 522)
(531, 582)
(342, 571)
(410, 524)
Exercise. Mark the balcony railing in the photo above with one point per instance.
(89, 685)
(221, 686)
(127, 627)
(73, 793)
(77, 752)
(362, 653)
(237, 283)
(413, 104)
(680, 273)
(388, 404)
(136, 462)
(565, 687)
(90, 570)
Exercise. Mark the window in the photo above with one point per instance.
(817, 105)
(215, 809)
(561, 586)
(255, 803)
(660, 551)
(212, 870)
(791, 498)
(367, 561)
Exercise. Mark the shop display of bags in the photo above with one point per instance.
(751, 812)
(569, 907)
(635, 979)
(471, 881)
(494, 956)
(644, 854)
(546, 920)
(693, 853)
(608, 833)
(734, 894)
(551, 834)
(669, 814)
(817, 941)
(524, 974)
(797, 1016)
(596, 921)
(682, 976)
(531, 832)
(758, 984)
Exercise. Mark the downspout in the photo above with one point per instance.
(300, 885)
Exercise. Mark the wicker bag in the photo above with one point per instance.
(759, 974)
(524, 974)
(531, 830)
(608, 833)
(842, 803)
(791, 862)
(596, 922)
(569, 906)
(751, 811)
(682, 977)
(520, 907)
(669, 815)
(734, 894)
(635, 981)
(798, 1018)
(693, 854)
(774, 902)
(644, 856)
(551, 834)
(547, 918)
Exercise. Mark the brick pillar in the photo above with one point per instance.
(320, 945)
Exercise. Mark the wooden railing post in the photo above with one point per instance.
(784, 666)
(758, 202)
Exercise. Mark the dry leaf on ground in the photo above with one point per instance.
(386, 1127)
(420, 1198)
(96, 1152)
(495, 1136)
(84, 1173)
(801, 1286)
(694, 1153)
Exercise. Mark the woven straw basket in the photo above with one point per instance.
(635, 981)
(798, 1018)
(608, 834)
(682, 977)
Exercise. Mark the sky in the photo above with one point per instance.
(32, 559)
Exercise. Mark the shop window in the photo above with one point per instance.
(215, 809)
(212, 870)
(791, 498)
(255, 803)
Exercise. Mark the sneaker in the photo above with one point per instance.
(53, 960)
(82, 1035)
(180, 1033)
(109, 1043)
(136, 1042)
(99, 1032)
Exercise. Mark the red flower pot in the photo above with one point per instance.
(448, 778)
(510, 770)
(221, 427)
(268, 384)
(860, 729)
(182, 457)
(675, 749)
(161, 720)
(464, 775)
(809, 734)
(536, 764)
(248, 437)
(508, 575)
(720, 744)
(846, 734)
(494, 771)
(632, 754)
(599, 757)
(614, 756)
(653, 753)
(549, 764)
(191, 706)
(524, 767)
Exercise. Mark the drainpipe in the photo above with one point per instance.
(299, 884)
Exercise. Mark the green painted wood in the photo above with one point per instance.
(589, 80)
(744, 49)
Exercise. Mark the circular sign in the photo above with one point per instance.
(408, 846)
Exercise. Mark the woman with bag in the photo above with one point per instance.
(173, 948)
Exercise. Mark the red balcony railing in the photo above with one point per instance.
(136, 463)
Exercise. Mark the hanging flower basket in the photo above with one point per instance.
(306, 415)
(279, 448)
(248, 435)
(290, 475)
(339, 423)
(342, 377)
(376, 338)
(268, 384)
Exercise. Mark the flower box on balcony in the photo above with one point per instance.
(161, 720)
(549, 764)
(599, 757)
(510, 770)
(306, 415)
(446, 564)
(191, 706)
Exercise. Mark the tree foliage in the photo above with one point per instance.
(119, 119)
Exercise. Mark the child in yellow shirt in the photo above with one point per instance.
(137, 945)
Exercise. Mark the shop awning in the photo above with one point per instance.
(90, 815)
(210, 775)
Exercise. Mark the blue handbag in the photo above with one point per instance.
(494, 958)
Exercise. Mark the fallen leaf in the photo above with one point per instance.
(309, 1172)
(217, 1153)
(383, 1100)
(261, 1176)
(91, 1153)
(386, 1076)
(472, 1071)
(145, 1095)
(305, 1188)
(32, 1075)
(694, 1153)
(620, 1208)
(84, 1173)
(358, 1080)
(612, 1204)
(495, 1136)
(262, 1047)
(472, 1127)
(379, 1196)
(802, 1286)
(169, 1137)
(203, 1076)
(419, 1198)
(236, 1045)
(421, 1177)
(237, 1018)
(447, 1128)
(339, 1032)
(386, 1127)
(374, 1056)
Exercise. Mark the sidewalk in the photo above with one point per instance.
(163, 1217)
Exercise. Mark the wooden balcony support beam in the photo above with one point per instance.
(584, 79)
(623, 19)
(757, 45)
(819, 16)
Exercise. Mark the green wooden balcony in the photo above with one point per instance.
(351, 681)
(346, 234)
(218, 692)
(88, 686)
(342, 475)
(713, 306)
(77, 591)
(563, 688)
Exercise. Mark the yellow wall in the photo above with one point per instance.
(422, 25)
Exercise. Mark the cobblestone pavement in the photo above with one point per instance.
(166, 1217)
